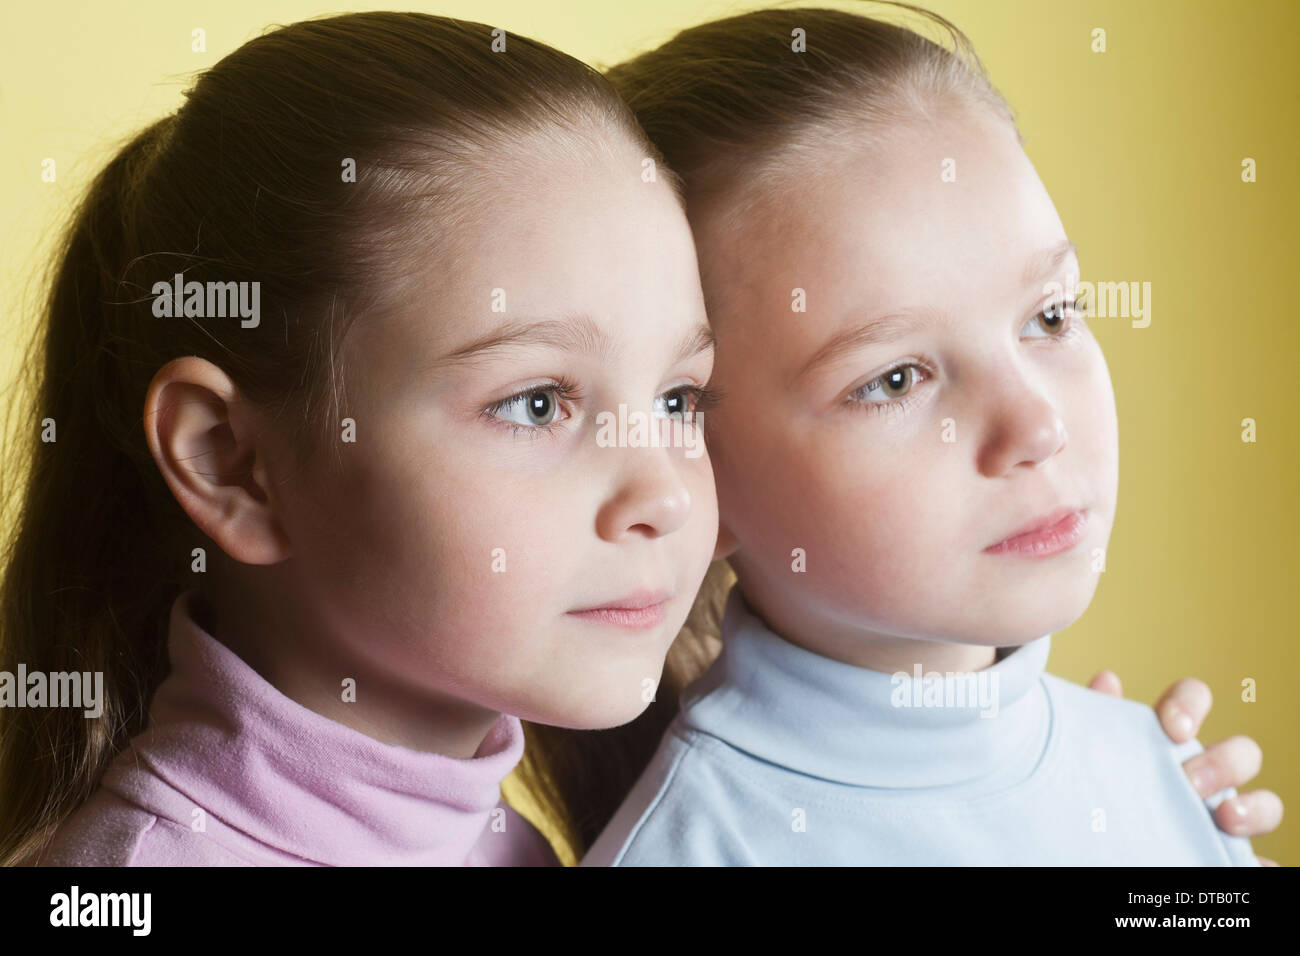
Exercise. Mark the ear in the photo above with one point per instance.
(205, 440)
(727, 543)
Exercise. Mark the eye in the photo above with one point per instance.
(534, 408)
(538, 409)
(684, 402)
(890, 385)
(1055, 321)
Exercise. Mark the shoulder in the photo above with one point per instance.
(108, 830)
(1119, 747)
(1117, 723)
(1115, 729)
(510, 839)
(103, 831)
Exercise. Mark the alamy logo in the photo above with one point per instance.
(637, 429)
(208, 300)
(75, 689)
(961, 689)
(1113, 300)
(102, 909)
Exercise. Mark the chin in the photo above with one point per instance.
(1035, 614)
(592, 714)
(1044, 624)
(595, 698)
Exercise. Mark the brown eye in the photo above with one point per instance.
(895, 383)
(1052, 317)
(1052, 322)
(898, 382)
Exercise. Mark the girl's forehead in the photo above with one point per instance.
(600, 262)
(905, 240)
(956, 197)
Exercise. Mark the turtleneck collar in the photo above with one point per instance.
(257, 762)
(827, 719)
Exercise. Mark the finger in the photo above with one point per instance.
(1183, 708)
(1107, 682)
(1229, 763)
(1250, 814)
(1265, 861)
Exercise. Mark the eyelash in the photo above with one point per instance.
(703, 397)
(895, 405)
(1069, 309)
(564, 389)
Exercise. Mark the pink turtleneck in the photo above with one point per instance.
(231, 772)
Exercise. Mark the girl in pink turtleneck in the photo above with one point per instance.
(330, 511)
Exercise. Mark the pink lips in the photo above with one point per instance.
(1051, 534)
(641, 609)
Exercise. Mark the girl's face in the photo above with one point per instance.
(480, 508)
(922, 409)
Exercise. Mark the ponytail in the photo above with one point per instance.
(86, 583)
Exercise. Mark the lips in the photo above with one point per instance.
(1048, 534)
(640, 609)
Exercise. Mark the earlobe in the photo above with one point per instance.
(727, 543)
(205, 442)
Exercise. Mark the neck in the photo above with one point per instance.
(837, 721)
(872, 650)
(305, 660)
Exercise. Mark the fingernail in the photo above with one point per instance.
(1182, 723)
(1236, 810)
(1204, 782)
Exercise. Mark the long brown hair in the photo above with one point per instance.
(247, 181)
(728, 103)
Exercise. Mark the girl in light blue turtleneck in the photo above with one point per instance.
(917, 464)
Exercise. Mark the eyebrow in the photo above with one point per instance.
(575, 333)
(1044, 262)
(699, 339)
(885, 328)
(895, 325)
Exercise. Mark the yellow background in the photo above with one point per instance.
(1141, 149)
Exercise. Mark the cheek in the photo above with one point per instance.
(873, 513)
(889, 520)
(494, 561)
(736, 458)
(1095, 428)
(700, 532)
(445, 554)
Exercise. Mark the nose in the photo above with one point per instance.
(1025, 430)
(649, 497)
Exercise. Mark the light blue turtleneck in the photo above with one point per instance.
(783, 756)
